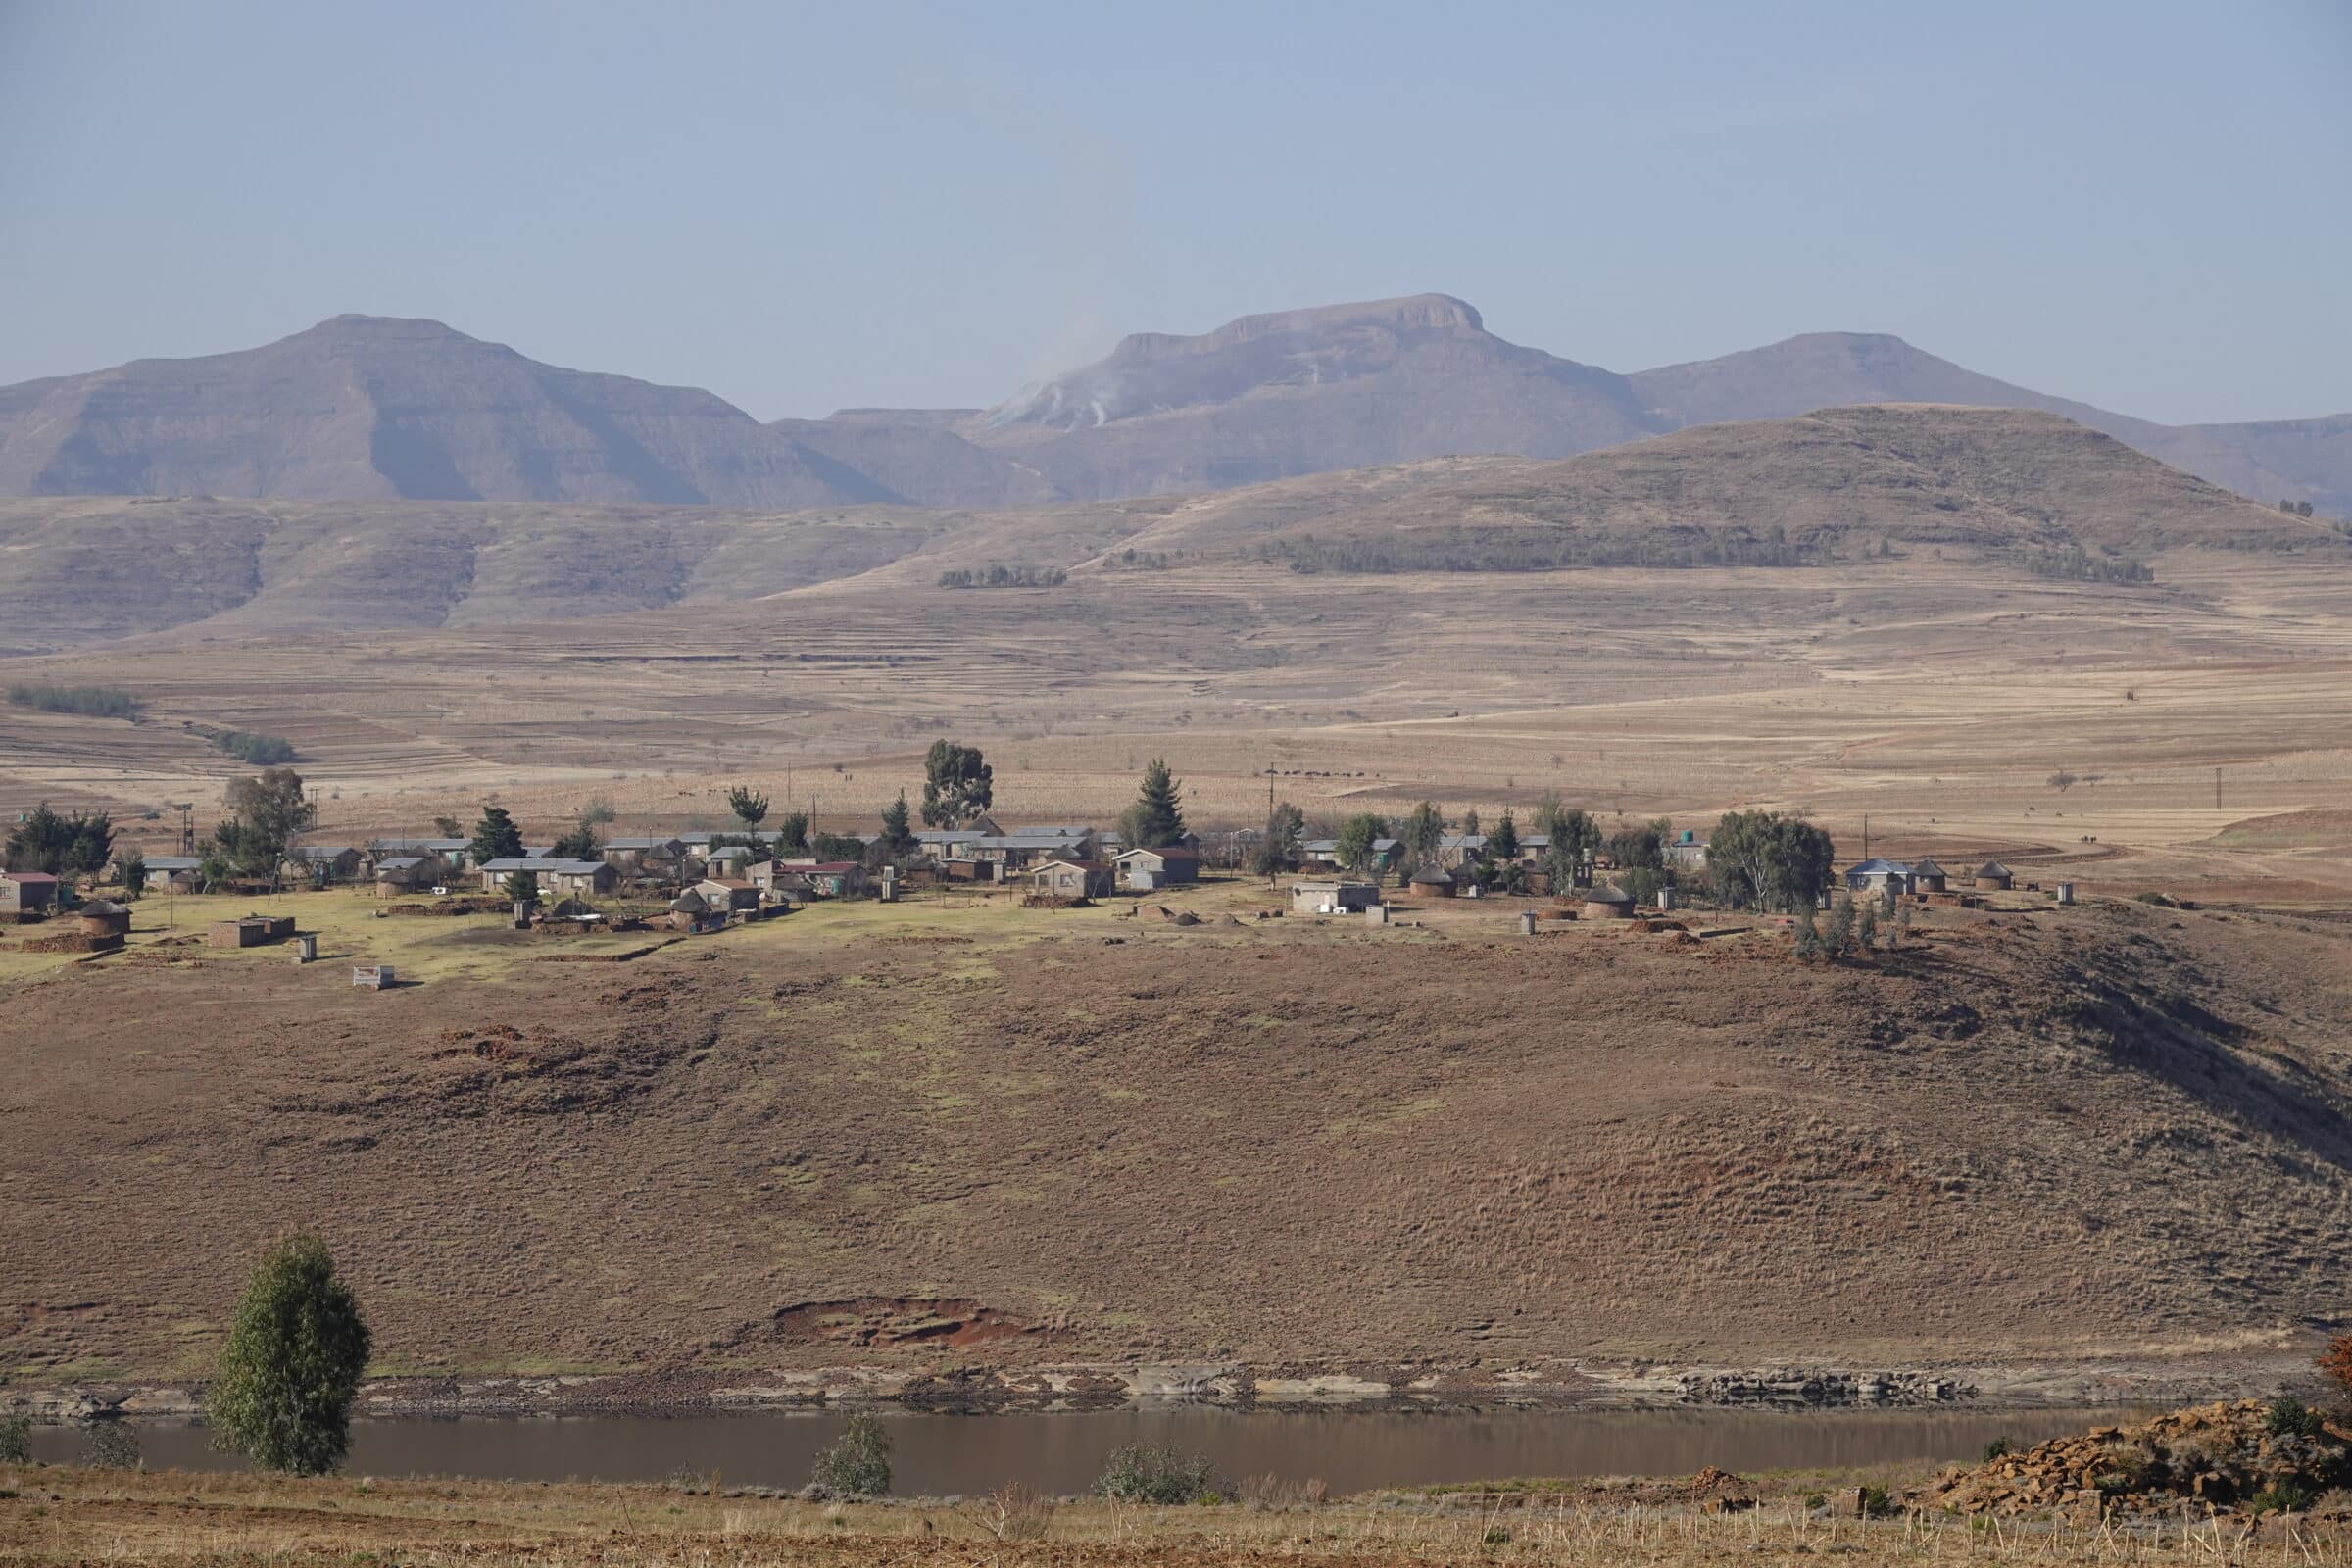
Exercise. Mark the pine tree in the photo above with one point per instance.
(496, 837)
(1156, 818)
(297, 1348)
(1503, 842)
(898, 826)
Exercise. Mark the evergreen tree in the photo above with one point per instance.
(297, 1348)
(1503, 842)
(496, 837)
(1156, 818)
(1424, 835)
(792, 833)
(1359, 841)
(750, 807)
(523, 886)
(134, 875)
(898, 828)
(1278, 851)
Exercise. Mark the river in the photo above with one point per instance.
(1061, 1451)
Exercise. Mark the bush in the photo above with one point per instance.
(1998, 1449)
(262, 750)
(2283, 1496)
(1160, 1473)
(1877, 1502)
(111, 1444)
(16, 1436)
(91, 701)
(1015, 1512)
(857, 1463)
(2290, 1417)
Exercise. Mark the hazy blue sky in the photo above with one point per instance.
(2143, 204)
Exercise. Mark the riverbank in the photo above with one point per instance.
(1453, 1388)
(190, 1520)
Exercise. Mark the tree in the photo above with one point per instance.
(1470, 821)
(1837, 931)
(1764, 860)
(1642, 847)
(1278, 851)
(266, 811)
(2062, 781)
(134, 875)
(496, 837)
(857, 1463)
(1423, 835)
(1866, 927)
(523, 886)
(958, 785)
(792, 833)
(1156, 818)
(1503, 842)
(297, 1348)
(448, 827)
(580, 843)
(1359, 842)
(750, 807)
(59, 844)
(898, 829)
(1807, 934)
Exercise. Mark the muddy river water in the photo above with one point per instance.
(1062, 1452)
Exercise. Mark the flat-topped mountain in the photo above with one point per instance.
(370, 408)
(1343, 386)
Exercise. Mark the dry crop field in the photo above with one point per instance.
(1938, 700)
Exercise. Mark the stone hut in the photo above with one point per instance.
(1607, 904)
(1432, 882)
(102, 917)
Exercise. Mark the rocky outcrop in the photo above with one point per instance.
(2244, 1456)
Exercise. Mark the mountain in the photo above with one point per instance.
(364, 407)
(1269, 397)
(2001, 485)
(916, 456)
(369, 408)
(2303, 461)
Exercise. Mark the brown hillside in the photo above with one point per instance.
(2105, 1132)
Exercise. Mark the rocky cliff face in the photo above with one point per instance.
(367, 408)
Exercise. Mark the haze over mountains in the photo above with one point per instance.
(364, 407)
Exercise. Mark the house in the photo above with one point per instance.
(823, 879)
(406, 873)
(1012, 852)
(1455, 849)
(1434, 882)
(1927, 877)
(1993, 874)
(552, 875)
(642, 855)
(170, 870)
(1325, 897)
(727, 894)
(1876, 875)
(1606, 903)
(1141, 870)
(25, 893)
(1686, 851)
(456, 854)
(1064, 878)
(691, 912)
(322, 864)
(1326, 852)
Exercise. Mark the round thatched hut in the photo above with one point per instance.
(1993, 874)
(1434, 882)
(103, 917)
(1607, 904)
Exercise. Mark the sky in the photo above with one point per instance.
(2139, 205)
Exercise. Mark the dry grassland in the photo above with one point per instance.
(175, 1518)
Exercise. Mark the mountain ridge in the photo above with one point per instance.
(382, 407)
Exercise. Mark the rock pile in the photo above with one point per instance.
(2203, 1459)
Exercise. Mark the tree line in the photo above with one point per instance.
(1533, 549)
(999, 576)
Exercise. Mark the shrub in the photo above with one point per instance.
(857, 1463)
(2281, 1496)
(262, 750)
(16, 1436)
(1015, 1512)
(1877, 1502)
(91, 701)
(296, 1348)
(1160, 1473)
(2290, 1417)
(111, 1444)
(1998, 1449)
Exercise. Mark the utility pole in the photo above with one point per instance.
(2217, 789)
(1866, 835)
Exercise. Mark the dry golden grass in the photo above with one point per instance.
(172, 1518)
